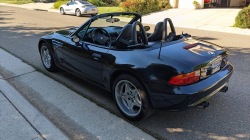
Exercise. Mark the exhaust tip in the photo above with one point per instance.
(224, 89)
(203, 105)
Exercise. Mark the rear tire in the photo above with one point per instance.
(78, 12)
(131, 98)
(47, 58)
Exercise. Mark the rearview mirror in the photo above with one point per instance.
(76, 39)
(112, 20)
(146, 28)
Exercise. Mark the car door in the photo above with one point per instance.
(84, 57)
(69, 7)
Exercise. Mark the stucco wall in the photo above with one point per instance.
(186, 4)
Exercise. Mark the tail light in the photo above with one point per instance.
(227, 58)
(185, 79)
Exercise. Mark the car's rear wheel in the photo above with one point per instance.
(62, 11)
(78, 12)
(47, 58)
(131, 97)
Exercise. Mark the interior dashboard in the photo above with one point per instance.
(113, 32)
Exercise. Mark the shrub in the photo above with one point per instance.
(164, 4)
(140, 6)
(102, 3)
(108, 1)
(242, 20)
(195, 2)
(59, 3)
(94, 2)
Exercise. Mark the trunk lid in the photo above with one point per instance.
(191, 52)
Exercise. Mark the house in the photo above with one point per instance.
(188, 4)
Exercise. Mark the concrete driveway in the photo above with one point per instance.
(206, 19)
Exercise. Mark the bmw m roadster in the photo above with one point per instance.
(143, 71)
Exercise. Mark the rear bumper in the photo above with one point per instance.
(174, 98)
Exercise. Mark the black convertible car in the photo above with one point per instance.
(144, 71)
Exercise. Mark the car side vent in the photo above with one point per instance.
(56, 43)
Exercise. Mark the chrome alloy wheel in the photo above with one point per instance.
(78, 12)
(128, 98)
(62, 11)
(46, 58)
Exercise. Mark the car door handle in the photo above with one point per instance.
(96, 56)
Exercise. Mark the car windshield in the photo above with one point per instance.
(83, 2)
(107, 21)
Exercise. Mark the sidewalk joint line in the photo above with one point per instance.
(24, 116)
(19, 75)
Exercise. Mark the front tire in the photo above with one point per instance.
(78, 12)
(62, 11)
(131, 98)
(47, 58)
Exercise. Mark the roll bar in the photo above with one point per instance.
(134, 34)
(165, 37)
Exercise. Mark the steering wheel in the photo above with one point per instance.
(100, 38)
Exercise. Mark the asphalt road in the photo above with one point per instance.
(228, 116)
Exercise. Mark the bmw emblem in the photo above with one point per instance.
(211, 53)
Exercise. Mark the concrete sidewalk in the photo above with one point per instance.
(19, 120)
(46, 108)
(35, 6)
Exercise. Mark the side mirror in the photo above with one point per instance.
(76, 39)
(146, 28)
(67, 4)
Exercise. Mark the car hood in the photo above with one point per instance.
(191, 52)
(67, 31)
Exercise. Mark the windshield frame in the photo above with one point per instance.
(137, 16)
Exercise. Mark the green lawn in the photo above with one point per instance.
(108, 9)
(18, 1)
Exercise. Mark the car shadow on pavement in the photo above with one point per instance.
(205, 38)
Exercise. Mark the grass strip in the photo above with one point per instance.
(19, 2)
(155, 135)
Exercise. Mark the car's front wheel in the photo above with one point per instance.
(47, 58)
(131, 97)
(62, 11)
(78, 12)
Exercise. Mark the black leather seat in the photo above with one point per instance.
(124, 37)
(157, 34)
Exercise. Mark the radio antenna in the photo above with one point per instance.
(160, 51)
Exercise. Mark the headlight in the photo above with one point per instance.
(83, 6)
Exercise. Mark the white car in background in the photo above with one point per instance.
(79, 8)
